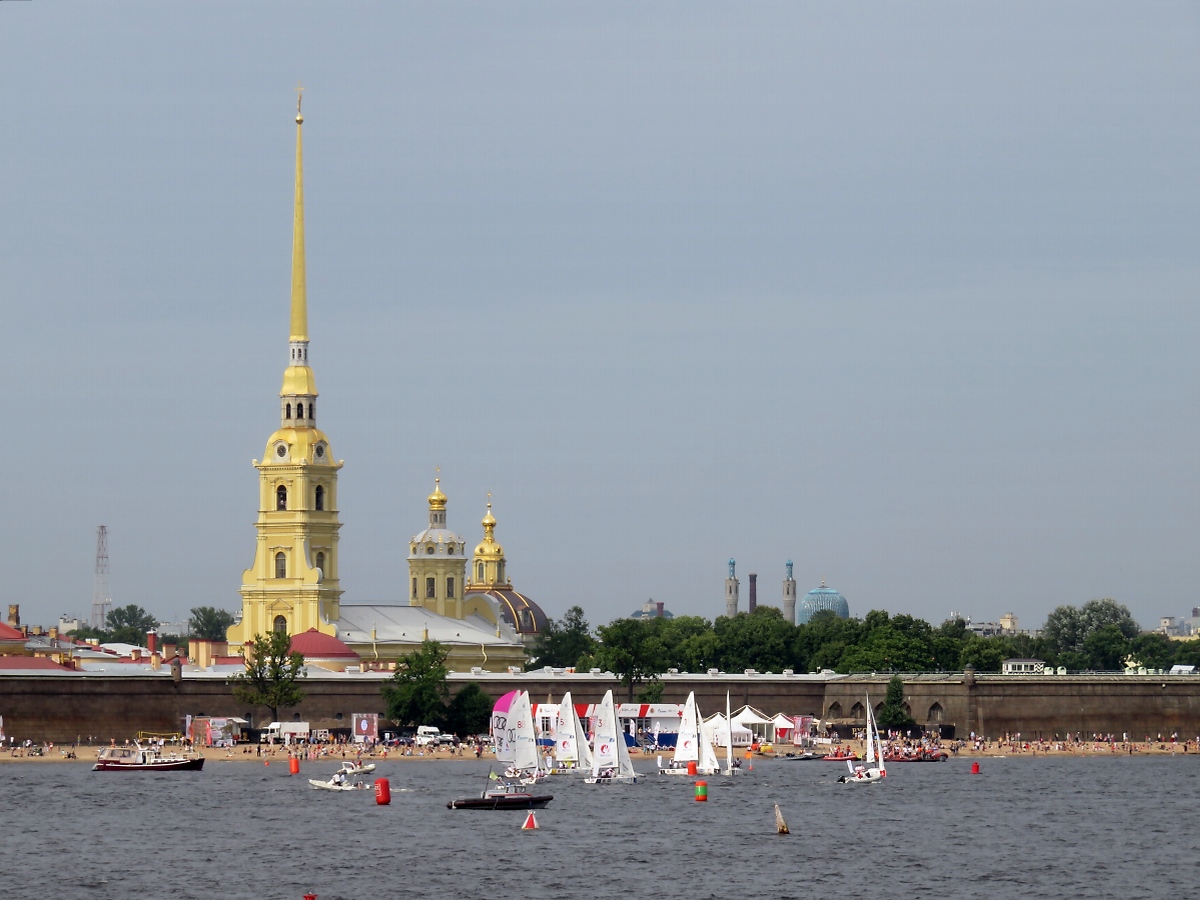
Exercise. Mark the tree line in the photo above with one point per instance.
(1101, 635)
(129, 624)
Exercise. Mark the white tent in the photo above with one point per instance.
(781, 727)
(751, 718)
(742, 736)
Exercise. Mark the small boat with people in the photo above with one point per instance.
(873, 768)
(150, 758)
(357, 767)
(338, 782)
(502, 795)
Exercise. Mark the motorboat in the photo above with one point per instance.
(502, 796)
(351, 767)
(145, 759)
(332, 785)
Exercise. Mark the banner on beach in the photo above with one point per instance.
(366, 726)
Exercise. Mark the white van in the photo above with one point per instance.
(427, 734)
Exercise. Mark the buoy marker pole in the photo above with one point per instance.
(530, 822)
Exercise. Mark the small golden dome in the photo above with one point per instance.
(437, 500)
(489, 521)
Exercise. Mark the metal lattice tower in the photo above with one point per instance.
(101, 601)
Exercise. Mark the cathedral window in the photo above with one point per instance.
(450, 588)
(280, 624)
(449, 549)
(321, 561)
(281, 497)
(429, 550)
(414, 589)
(526, 619)
(430, 588)
(320, 497)
(500, 572)
(299, 410)
(281, 565)
(479, 572)
(288, 414)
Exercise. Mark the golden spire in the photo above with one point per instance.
(299, 290)
(437, 500)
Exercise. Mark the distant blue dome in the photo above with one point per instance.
(820, 599)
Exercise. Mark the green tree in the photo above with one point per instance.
(1068, 627)
(893, 714)
(469, 712)
(209, 623)
(129, 624)
(563, 642)
(417, 692)
(1155, 650)
(273, 672)
(760, 640)
(1106, 648)
(632, 650)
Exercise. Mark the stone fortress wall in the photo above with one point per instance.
(63, 708)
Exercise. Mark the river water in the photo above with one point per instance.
(1023, 827)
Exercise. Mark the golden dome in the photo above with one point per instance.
(437, 500)
(489, 521)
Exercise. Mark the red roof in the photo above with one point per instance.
(31, 662)
(8, 633)
(315, 645)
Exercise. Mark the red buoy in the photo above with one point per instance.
(294, 766)
(691, 767)
(530, 822)
(974, 768)
(701, 791)
(383, 792)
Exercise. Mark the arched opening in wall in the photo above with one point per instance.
(281, 565)
(288, 411)
(936, 713)
(279, 625)
(319, 497)
(878, 710)
(479, 572)
(414, 596)
(834, 711)
(449, 549)
(450, 588)
(321, 562)
(500, 572)
(299, 410)
(430, 588)
(281, 497)
(296, 717)
(907, 709)
(858, 712)
(525, 617)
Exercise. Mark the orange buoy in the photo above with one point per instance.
(974, 768)
(266, 762)
(530, 822)
(294, 766)
(383, 792)
(691, 767)
(701, 791)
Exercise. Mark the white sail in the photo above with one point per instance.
(525, 748)
(870, 757)
(604, 751)
(625, 762)
(728, 738)
(566, 743)
(687, 744)
(708, 754)
(581, 742)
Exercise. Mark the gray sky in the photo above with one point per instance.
(904, 293)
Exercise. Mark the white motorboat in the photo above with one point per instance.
(351, 767)
(337, 786)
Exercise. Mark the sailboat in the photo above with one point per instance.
(526, 763)
(610, 755)
(571, 751)
(690, 746)
(729, 767)
(873, 768)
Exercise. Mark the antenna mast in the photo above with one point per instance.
(101, 601)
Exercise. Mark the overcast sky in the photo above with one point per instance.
(905, 293)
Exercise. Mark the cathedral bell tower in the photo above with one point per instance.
(293, 584)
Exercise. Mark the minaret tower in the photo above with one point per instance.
(789, 596)
(293, 584)
(731, 592)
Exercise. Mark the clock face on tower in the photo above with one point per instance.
(281, 450)
(320, 451)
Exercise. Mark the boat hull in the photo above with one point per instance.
(326, 786)
(612, 779)
(162, 765)
(505, 801)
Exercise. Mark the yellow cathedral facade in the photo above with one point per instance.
(293, 583)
